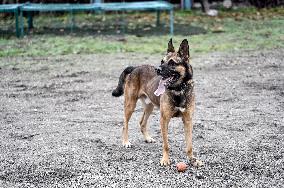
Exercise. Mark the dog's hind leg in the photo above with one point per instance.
(148, 108)
(129, 107)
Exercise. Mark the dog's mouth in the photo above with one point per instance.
(164, 83)
(167, 81)
(162, 86)
(169, 76)
(171, 79)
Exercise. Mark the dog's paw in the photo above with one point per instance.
(127, 144)
(196, 163)
(150, 140)
(165, 162)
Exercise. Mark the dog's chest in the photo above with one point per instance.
(181, 109)
(179, 102)
(178, 99)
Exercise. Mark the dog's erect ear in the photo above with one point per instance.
(171, 46)
(183, 50)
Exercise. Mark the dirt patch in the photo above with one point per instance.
(59, 125)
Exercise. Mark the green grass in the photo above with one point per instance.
(246, 29)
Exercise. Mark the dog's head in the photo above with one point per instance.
(175, 68)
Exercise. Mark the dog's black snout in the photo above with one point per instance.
(158, 69)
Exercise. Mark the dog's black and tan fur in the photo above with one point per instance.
(177, 101)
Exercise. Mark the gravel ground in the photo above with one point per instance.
(60, 127)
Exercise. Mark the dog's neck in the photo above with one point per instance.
(184, 87)
(179, 94)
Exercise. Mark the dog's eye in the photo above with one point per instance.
(162, 61)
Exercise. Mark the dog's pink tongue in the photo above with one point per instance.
(161, 88)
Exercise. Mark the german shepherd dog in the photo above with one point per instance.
(169, 87)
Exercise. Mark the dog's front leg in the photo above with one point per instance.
(164, 123)
(187, 121)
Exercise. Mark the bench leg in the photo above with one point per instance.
(158, 18)
(171, 22)
(21, 24)
(30, 20)
(72, 20)
(17, 23)
(187, 4)
(124, 20)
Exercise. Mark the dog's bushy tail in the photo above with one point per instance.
(120, 87)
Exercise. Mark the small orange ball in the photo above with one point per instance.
(181, 167)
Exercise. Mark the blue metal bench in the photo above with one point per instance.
(143, 6)
(131, 6)
(71, 8)
(12, 8)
